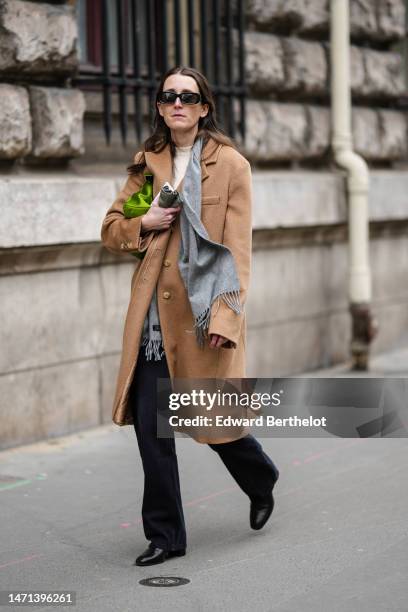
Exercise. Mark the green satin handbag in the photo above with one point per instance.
(139, 203)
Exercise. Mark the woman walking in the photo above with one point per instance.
(186, 315)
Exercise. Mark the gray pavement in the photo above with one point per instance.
(337, 540)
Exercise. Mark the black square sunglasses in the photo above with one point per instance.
(187, 97)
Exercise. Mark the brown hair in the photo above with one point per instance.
(207, 126)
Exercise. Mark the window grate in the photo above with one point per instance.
(127, 45)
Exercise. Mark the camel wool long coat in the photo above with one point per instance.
(226, 206)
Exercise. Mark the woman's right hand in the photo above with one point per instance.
(158, 218)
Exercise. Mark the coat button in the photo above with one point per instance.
(166, 295)
(167, 263)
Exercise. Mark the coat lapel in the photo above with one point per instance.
(209, 156)
(159, 164)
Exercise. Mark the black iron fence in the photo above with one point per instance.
(127, 45)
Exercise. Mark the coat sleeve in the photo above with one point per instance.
(118, 233)
(238, 238)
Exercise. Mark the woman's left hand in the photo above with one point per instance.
(216, 340)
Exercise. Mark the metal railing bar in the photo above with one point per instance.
(204, 36)
(177, 31)
(121, 38)
(190, 27)
(107, 108)
(217, 58)
(229, 59)
(151, 55)
(164, 36)
(241, 68)
(137, 81)
(131, 82)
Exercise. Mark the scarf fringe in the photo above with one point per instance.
(231, 298)
(153, 349)
(201, 325)
(202, 322)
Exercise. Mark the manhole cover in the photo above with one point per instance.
(164, 581)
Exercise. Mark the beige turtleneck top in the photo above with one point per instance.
(181, 160)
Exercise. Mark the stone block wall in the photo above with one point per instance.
(41, 117)
(288, 74)
(377, 20)
(287, 71)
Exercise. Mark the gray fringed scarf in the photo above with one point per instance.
(206, 267)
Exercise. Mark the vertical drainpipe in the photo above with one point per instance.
(364, 327)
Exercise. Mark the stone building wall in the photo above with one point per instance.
(288, 73)
(41, 116)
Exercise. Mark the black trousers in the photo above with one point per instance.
(162, 509)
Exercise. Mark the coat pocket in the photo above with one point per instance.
(210, 200)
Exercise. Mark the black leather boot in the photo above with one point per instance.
(260, 512)
(153, 555)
